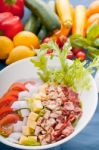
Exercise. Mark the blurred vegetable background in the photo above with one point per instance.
(57, 20)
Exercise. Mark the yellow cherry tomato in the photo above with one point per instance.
(26, 38)
(18, 53)
(6, 45)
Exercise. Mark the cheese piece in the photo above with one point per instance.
(26, 130)
(22, 139)
(32, 124)
(36, 106)
(33, 116)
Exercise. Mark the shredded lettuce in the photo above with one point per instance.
(74, 75)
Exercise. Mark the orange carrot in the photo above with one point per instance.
(92, 19)
(93, 8)
(63, 31)
(79, 20)
(63, 8)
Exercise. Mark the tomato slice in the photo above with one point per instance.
(11, 93)
(8, 120)
(7, 101)
(18, 87)
(5, 111)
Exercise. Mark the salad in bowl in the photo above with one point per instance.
(46, 100)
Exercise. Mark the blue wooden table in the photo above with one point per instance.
(88, 139)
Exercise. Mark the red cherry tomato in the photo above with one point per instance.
(46, 40)
(76, 50)
(49, 51)
(81, 56)
(61, 41)
(70, 55)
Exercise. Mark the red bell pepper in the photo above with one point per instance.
(16, 7)
(10, 25)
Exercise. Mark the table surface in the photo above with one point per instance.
(88, 139)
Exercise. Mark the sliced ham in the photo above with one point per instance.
(47, 114)
(68, 130)
(69, 106)
(38, 130)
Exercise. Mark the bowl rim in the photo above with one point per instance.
(4, 141)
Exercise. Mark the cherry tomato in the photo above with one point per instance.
(61, 41)
(76, 50)
(46, 40)
(49, 51)
(70, 55)
(81, 55)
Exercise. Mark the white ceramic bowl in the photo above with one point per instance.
(97, 80)
(24, 69)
